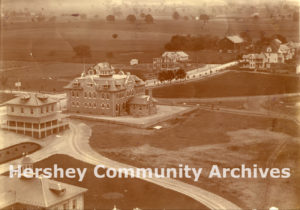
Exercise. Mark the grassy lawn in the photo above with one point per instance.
(124, 193)
(204, 138)
(232, 84)
(17, 151)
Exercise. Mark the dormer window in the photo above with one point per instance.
(57, 188)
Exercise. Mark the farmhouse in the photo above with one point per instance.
(101, 91)
(170, 60)
(38, 193)
(253, 61)
(35, 115)
(231, 43)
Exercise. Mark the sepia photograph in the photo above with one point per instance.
(149, 104)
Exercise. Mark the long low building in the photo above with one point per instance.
(34, 115)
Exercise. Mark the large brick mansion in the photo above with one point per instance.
(101, 91)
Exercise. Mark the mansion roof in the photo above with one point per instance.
(39, 192)
(31, 99)
(103, 77)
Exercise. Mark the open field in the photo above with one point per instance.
(124, 193)
(54, 41)
(204, 138)
(232, 84)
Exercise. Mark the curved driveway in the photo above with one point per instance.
(75, 143)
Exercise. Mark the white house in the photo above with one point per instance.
(177, 56)
(134, 62)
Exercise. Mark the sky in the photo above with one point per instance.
(90, 4)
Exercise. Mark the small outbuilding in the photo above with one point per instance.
(134, 62)
(142, 105)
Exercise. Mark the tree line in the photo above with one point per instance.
(132, 18)
(168, 75)
(192, 43)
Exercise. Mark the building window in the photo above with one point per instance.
(22, 110)
(94, 105)
(107, 106)
(52, 107)
(65, 206)
(77, 94)
(102, 95)
(74, 204)
(90, 105)
(77, 104)
(94, 95)
(90, 95)
(31, 110)
(42, 110)
(47, 109)
(72, 93)
(102, 106)
(12, 109)
(85, 94)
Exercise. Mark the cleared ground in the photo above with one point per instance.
(232, 84)
(205, 138)
(54, 42)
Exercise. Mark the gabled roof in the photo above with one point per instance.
(39, 192)
(31, 99)
(235, 39)
(174, 54)
(114, 82)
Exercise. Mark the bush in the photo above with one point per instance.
(192, 43)
(149, 19)
(110, 18)
(131, 18)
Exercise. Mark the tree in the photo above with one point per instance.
(180, 74)
(204, 18)
(110, 18)
(82, 51)
(131, 18)
(115, 36)
(149, 19)
(176, 15)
